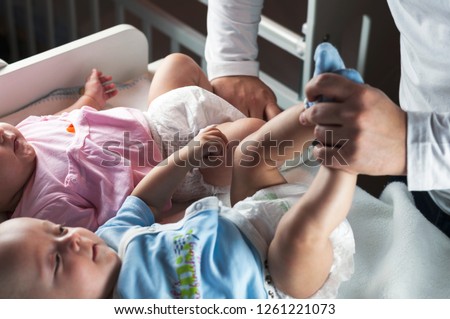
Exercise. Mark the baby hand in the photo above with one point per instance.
(99, 89)
(207, 147)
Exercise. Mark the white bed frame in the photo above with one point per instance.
(67, 66)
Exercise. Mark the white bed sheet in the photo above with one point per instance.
(399, 254)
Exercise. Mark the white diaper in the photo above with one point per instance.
(258, 216)
(176, 117)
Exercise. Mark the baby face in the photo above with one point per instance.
(46, 260)
(17, 163)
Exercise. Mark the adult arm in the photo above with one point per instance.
(424, 90)
(365, 132)
(361, 131)
(231, 52)
(231, 47)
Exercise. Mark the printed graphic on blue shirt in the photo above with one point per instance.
(186, 265)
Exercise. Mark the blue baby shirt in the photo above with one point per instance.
(202, 256)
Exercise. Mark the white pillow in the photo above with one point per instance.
(132, 93)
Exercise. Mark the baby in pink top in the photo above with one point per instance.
(19, 156)
(84, 166)
(76, 168)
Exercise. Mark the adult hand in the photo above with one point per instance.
(362, 131)
(248, 94)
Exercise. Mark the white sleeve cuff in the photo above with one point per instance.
(428, 151)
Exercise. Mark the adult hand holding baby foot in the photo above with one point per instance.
(359, 128)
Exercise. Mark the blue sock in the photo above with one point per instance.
(328, 60)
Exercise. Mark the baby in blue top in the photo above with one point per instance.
(276, 239)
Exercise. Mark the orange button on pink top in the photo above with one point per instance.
(70, 128)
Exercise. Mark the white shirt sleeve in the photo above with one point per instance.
(231, 46)
(424, 90)
(428, 151)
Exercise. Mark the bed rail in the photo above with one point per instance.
(42, 13)
(151, 17)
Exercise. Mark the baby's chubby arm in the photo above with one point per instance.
(157, 187)
(97, 90)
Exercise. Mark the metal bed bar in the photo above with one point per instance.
(180, 34)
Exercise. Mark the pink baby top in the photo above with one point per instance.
(88, 162)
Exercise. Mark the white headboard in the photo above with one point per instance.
(121, 51)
